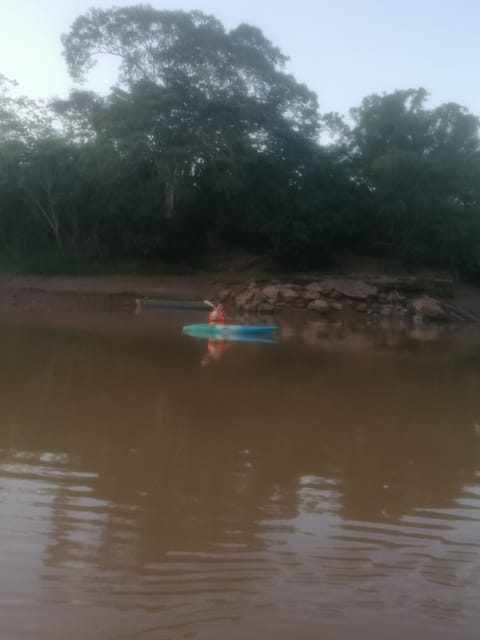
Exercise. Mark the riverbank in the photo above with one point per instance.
(368, 297)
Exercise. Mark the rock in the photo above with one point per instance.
(224, 295)
(258, 297)
(249, 299)
(296, 287)
(395, 297)
(320, 306)
(311, 294)
(325, 286)
(315, 286)
(288, 294)
(271, 293)
(334, 295)
(404, 312)
(299, 303)
(255, 302)
(362, 307)
(428, 308)
(386, 311)
(337, 306)
(356, 289)
(266, 307)
(244, 298)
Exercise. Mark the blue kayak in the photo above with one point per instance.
(251, 333)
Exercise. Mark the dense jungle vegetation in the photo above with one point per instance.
(206, 144)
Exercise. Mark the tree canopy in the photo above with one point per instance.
(206, 143)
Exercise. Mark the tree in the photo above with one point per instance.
(21, 119)
(193, 49)
(77, 116)
(420, 168)
(190, 93)
(205, 143)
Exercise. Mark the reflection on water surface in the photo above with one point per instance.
(305, 489)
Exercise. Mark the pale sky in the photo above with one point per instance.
(342, 49)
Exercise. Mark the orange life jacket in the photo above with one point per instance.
(216, 316)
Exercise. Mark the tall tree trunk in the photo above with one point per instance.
(49, 214)
(171, 184)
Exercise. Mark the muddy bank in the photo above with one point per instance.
(366, 299)
(37, 293)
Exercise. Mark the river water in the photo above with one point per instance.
(327, 486)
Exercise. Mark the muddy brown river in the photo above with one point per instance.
(326, 486)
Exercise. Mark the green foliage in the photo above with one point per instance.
(421, 169)
(207, 144)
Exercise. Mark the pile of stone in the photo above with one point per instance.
(332, 297)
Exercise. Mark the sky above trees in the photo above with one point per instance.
(342, 49)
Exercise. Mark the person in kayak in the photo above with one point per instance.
(217, 315)
(214, 345)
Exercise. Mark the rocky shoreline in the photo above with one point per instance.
(394, 300)
(409, 301)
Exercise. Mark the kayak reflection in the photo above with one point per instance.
(214, 353)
